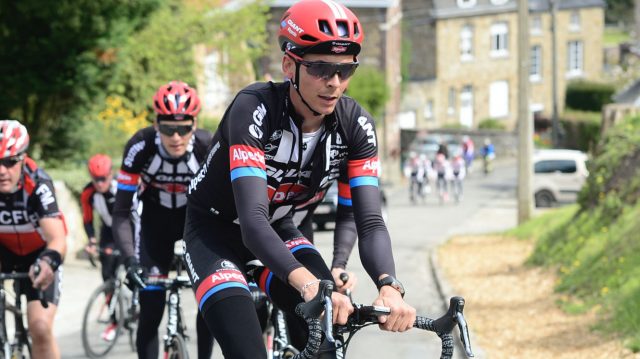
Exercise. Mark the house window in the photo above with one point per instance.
(428, 110)
(574, 58)
(535, 71)
(466, 43)
(451, 107)
(499, 99)
(499, 39)
(466, 3)
(499, 2)
(574, 21)
(536, 25)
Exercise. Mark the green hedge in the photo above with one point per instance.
(491, 124)
(588, 96)
(581, 129)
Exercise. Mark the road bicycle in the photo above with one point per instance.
(174, 341)
(112, 310)
(363, 316)
(20, 345)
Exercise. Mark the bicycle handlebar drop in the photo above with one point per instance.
(367, 315)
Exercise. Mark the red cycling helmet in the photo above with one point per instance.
(99, 165)
(14, 139)
(176, 100)
(320, 27)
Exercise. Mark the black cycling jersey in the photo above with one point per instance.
(156, 177)
(253, 176)
(344, 234)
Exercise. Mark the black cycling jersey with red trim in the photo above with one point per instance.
(102, 203)
(253, 174)
(344, 234)
(148, 170)
(20, 211)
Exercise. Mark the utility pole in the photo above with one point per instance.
(555, 125)
(636, 21)
(525, 122)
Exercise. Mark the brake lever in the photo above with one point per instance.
(462, 325)
(41, 298)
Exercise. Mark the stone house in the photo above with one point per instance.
(463, 58)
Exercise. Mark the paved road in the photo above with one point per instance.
(489, 205)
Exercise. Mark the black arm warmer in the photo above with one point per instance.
(344, 236)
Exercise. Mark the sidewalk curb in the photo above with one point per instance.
(446, 292)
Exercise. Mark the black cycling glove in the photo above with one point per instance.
(135, 274)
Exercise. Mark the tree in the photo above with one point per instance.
(369, 88)
(49, 56)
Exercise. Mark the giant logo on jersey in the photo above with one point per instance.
(368, 128)
(258, 116)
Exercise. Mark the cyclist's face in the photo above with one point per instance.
(175, 135)
(9, 176)
(102, 184)
(321, 93)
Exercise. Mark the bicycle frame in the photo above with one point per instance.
(21, 335)
(175, 324)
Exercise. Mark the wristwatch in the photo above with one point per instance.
(393, 283)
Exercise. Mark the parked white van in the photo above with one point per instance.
(558, 176)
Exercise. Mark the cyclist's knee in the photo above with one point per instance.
(41, 330)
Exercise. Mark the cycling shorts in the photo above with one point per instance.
(12, 263)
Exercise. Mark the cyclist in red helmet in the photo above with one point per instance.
(278, 146)
(99, 195)
(158, 164)
(32, 230)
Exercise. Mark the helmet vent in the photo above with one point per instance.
(343, 28)
(309, 38)
(324, 27)
(356, 30)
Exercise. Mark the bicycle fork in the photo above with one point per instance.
(174, 321)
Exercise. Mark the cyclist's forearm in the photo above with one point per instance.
(122, 227)
(257, 234)
(374, 243)
(344, 236)
(54, 233)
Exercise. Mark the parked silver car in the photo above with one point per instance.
(558, 176)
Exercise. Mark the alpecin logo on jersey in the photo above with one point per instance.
(285, 192)
(221, 279)
(246, 156)
(298, 243)
(364, 167)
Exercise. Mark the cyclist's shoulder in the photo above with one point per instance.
(269, 94)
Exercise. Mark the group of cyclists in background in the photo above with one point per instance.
(231, 195)
(444, 170)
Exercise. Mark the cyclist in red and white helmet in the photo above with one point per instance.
(278, 146)
(158, 164)
(32, 231)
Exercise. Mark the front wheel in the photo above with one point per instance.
(177, 349)
(102, 322)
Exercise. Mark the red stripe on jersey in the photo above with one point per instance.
(87, 207)
(129, 179)
(22, 243)
(344, 190)
(246, 156)
(300, 241)
(363, 167)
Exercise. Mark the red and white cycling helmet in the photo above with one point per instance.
(177, 100)
(320, 27)
(99, 165)
(14, 139)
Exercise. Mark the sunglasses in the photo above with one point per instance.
(99, 179)
(169, 130)
(326, 70)
(9, 162)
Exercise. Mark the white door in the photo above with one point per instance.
(499, 99)
(466, 106)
